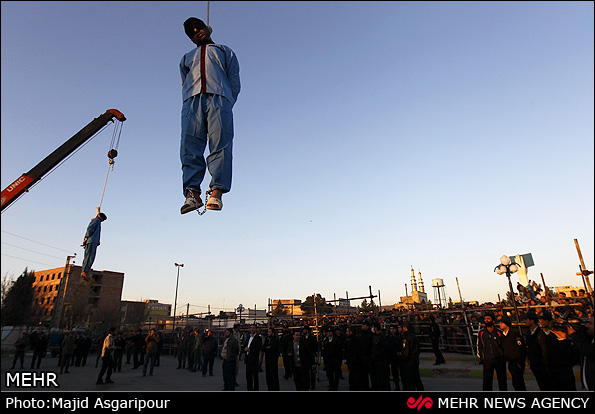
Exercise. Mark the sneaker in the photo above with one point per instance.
(193, 202)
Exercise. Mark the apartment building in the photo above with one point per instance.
(64, 301)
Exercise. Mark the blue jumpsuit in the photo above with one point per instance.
(91, 242)
(210, 86)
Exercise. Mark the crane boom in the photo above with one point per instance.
(28, 179)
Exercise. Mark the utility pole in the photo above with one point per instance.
(176, 298)
(59, 304)
(464, 307)
(583, 270)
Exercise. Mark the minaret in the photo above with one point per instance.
(413, 284)
(421, 284)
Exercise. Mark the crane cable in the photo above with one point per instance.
(111, 154)
(60, 163)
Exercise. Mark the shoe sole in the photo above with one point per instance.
(189, 209)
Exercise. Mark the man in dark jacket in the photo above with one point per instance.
(82, 348)
(380, 371)
(40, 347)
(537, 351)
(67, 352)
(271, 350)
(229, 355)
(138, 341)
(560, 357)
(332, 356)
(300, 377)
(252, 347)
(354, 360)
(308, 351)
(19, 352)
(566, 357)
(366, 340)
(284, 342)
(209, 352)
(182, 349)
(435, 339)
(119, 351)
(395, 346)
(515, 352)
(583, 338)
(489, 349)
(410, 354)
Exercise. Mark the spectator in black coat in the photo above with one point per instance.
(435, 339)
(366, 340)
(209, 352)
(537, 351)
(410, 354)
(271, 350)
(489, 348)
(380, 371)
(138, 355)
(354, 361)
(394, 347)
(285, 340)
(19, 350)
(583, 339)
(308, 351)
(252, 347)
(567, 357)
(515, 353)
(40, 346)
(332, 356)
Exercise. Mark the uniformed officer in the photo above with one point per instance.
(489, 349)
(515, 353)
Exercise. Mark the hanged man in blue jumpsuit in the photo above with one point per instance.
(90, 244)
(210, 86)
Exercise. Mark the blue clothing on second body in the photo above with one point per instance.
(90, 243)
(93, 231)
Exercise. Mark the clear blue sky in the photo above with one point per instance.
(371, 137)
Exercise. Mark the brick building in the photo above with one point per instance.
(64, 301)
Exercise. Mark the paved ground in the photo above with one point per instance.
(459, 373)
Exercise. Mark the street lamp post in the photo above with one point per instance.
(508, 267)
(176, 298)
(240, 309)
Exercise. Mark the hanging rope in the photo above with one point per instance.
(111, 154)
(208, 6)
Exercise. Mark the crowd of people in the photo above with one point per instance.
(74, 349)
(551, 348)
(377, 351)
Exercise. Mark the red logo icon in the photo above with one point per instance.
(420, 403)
